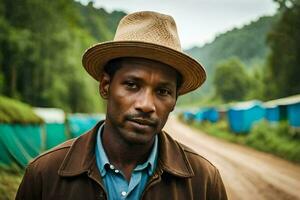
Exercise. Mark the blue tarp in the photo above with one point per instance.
(199, 116)
(209, 114)
(188, 116)
(294, 115)
(273, 114)
(276, 113)
(283, 109)
(242, 116)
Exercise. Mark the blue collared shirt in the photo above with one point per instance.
(114, 180)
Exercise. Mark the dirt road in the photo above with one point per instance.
(247, 174)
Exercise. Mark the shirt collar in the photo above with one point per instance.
(102, 159)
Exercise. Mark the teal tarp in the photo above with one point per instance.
(79, 124)
(55, 134)
(19, 143)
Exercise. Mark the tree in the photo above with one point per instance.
(284, 60)
(231, 80)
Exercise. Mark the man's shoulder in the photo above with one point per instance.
(197, 160)
(205, 171)
(202, 173)
(193, 155)
(198, 163)
(53, 157)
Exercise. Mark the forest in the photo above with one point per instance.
(41, 45)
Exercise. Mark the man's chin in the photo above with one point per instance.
(138, 138)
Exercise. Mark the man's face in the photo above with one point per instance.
(140, 97)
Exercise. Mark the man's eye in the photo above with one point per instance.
(163, 92)
(130, 84)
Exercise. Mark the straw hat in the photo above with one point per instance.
(148, 35)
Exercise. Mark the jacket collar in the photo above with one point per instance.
(172, 158)
(81, 156)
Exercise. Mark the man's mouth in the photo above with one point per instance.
(143, 122)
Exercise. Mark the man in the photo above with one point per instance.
(128, 156)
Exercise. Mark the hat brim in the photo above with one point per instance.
(193, 73)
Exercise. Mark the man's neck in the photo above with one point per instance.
(123, 155)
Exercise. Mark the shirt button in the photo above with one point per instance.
(111, 167)
(117, 171)
(123, 193)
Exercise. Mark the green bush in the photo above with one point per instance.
(9, 182)
(220, 130)
(276, 139)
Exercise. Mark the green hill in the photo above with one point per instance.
(247, 43)
(98, 22)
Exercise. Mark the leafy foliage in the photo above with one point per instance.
(275, 139)
(231, 80)
(41, 44)
(284, 61)
(272, 138)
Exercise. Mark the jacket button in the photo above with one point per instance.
(101, 196)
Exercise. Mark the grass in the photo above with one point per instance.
(13, 111)
(9, 182)
(276, 139)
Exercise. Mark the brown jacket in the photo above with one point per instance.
(69, 171)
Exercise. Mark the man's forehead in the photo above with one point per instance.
(136, 63)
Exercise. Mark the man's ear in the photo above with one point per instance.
(104, 85)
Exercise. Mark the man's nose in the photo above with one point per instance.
(145, 102)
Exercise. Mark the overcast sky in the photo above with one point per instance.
(198, 21)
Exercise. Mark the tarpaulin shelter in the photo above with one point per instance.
(211, 114)
(284, 108)
(54, 127)
(242, 116)
(273, 113)
(21, 137)
(19, 143)
(199, 115)
(188, 116)
(208, 114)
(80, 123)
(294, 115)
